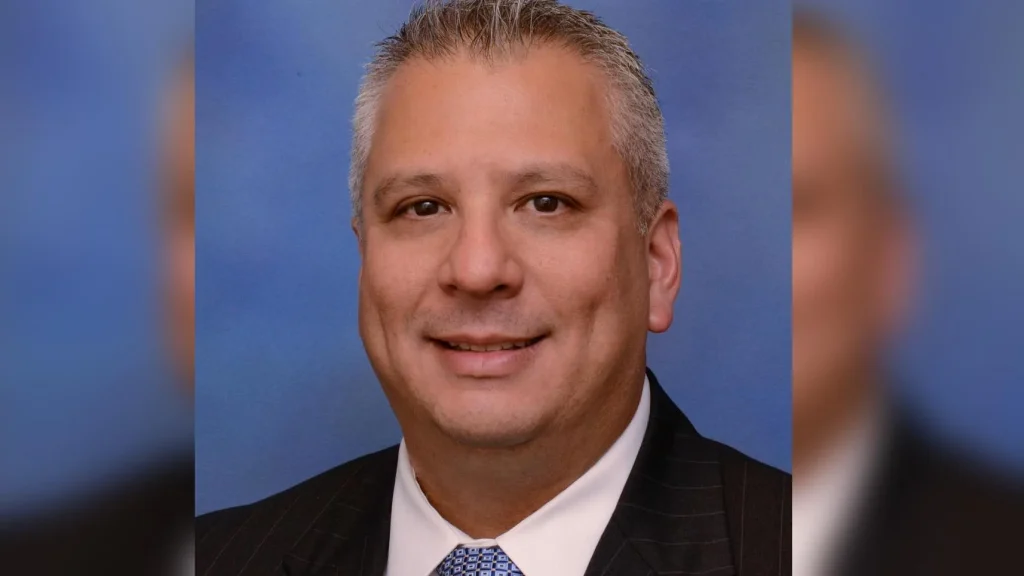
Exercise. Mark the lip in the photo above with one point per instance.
(504, 361)
(495, 341)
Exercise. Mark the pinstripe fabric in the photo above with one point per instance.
(690, 506)
(694, 506)
(335, 523)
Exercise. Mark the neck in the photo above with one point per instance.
(486, 492)
(818, 428)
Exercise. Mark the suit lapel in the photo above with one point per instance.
(352, 533)
(671, 515)
(616, 556)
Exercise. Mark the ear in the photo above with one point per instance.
(664, 266)
(358, 231)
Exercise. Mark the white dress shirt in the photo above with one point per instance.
(828, 498)
(556, 540)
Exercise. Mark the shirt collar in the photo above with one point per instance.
(557, 539)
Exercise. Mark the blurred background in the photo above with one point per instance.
(87, 399)
(279, 362)
(951, 74)
(908, 447)
(96, 473)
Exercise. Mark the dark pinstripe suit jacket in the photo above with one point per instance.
(690, 506)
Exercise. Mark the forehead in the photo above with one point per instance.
(542, 105)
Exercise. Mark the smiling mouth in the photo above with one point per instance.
(489, 347)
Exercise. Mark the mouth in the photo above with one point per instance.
(490, 345)
(486, 356)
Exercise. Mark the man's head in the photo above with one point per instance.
(178, 218)
(850, 234)
(509, 182)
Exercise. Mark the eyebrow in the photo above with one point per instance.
(393, 183)
(539, 174)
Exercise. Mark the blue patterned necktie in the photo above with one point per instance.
(477, 562)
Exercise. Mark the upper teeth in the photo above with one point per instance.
(488, 347)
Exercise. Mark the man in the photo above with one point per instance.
(509, 185)
(873, 493)
(143, 523)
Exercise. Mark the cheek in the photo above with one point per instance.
(589, 280)
(392, 279)
(389, 282)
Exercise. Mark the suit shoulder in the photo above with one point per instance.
(212, 527)
(758, 502)
(759, 486)
(755, 469)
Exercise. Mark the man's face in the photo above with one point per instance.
(504, 290)
(849, 266)
(179, 224)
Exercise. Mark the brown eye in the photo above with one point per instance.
(425, 208)
(545, 203)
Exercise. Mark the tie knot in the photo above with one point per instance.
(477, 562)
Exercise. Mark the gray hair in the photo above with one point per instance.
(492, 28)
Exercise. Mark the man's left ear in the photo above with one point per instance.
(664, 266)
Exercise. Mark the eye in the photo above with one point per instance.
(422, 208)
(546, 204)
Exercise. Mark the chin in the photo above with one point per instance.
(489, 439)
(489, 428)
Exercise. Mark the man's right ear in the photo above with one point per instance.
(358, 231)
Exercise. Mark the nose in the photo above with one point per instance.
(481, 262)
